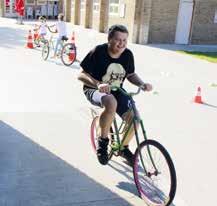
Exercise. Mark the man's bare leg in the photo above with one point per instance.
(128, 116)
(126, 153)
(105, 121)
(107, 116)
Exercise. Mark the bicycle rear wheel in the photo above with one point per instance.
(45, 51)
(94, 134)
(68, 54)
(156, 183)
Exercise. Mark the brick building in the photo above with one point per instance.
(150, 21)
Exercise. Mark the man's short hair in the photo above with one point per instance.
(61, 16)
(42, 18)
(115, 28)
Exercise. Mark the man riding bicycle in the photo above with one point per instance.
(105, 66)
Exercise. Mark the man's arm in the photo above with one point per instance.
(136, 80)
(87, 79)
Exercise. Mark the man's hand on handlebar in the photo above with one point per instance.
(103, 87)
(146, 87)
(106, 88)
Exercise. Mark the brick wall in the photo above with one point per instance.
(89, 14)
(95, 24)
(128, 19)
(75, 11)
(204, 30)
(82, 17)
(143, 33)
(141, 22)
(163, 21)
(72, 19)
(96, 16)
(67, 9)
(2, 8)
(149, 21)
(103, 15)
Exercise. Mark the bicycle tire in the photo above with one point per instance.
(40, 42)
(45, 52)
(68, 54)
(94, 136)
(151, 193)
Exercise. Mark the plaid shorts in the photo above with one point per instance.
(95, 98)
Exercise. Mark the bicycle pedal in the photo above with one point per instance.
(115, 146)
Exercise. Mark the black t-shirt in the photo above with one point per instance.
(109, 70)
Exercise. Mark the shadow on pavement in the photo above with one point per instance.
(210, 105)
(31, 175)
(127, 172)
(58, 62)
(12, 37)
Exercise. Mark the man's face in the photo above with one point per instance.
(118, 42)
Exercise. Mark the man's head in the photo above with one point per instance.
(61, 17)
(42, 19)
(117, 38)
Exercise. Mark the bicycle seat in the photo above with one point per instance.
(64, 38)
(95, 111)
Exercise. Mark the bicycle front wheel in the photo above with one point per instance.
(154, 174)
(68, 54)
(45, 51)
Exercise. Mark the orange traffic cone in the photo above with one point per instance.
(29, 41)
(35, 35)
(198, 98)
(73, 38)
(72, 55)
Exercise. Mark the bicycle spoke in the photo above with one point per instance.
(45, 51)
(157, 186)
(68, 54)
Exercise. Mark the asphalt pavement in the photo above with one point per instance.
(45, 152)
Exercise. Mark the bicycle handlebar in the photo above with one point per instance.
(114, 88)
(50, 30)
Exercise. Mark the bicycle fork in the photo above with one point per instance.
(136, 120)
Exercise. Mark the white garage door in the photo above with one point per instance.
(184, 21)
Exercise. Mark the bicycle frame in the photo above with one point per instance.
(51, 44)
(135, 120)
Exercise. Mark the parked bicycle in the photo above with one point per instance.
(67, 51)
(153, 169)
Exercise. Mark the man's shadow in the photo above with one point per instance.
(127, 172)
(209, 105)
(32, 175)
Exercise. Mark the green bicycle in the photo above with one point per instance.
(153, 169)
